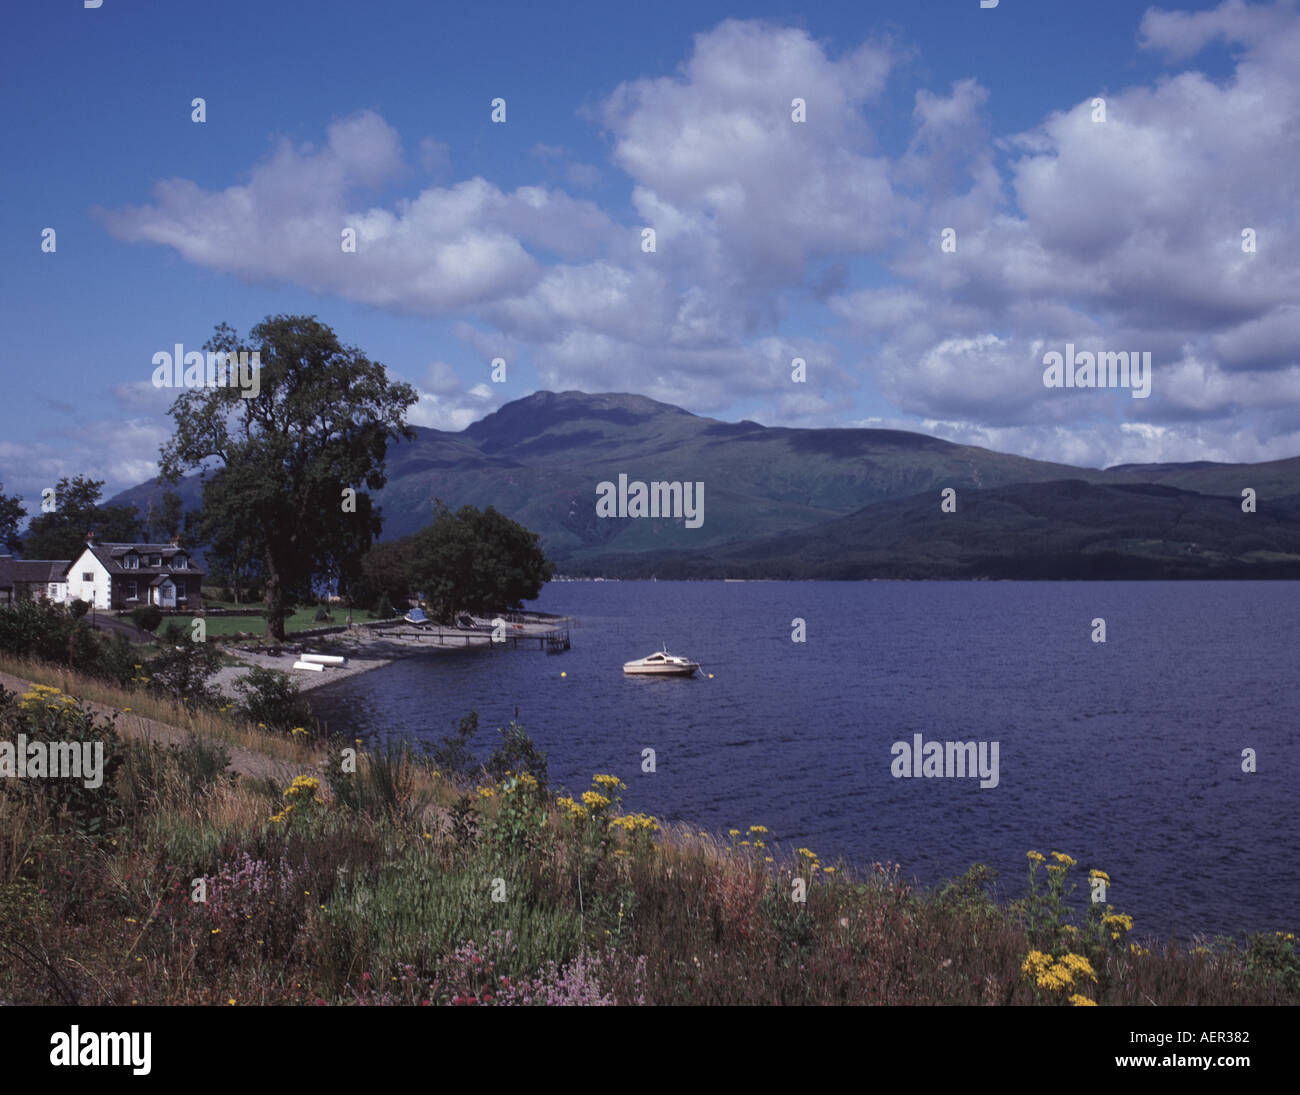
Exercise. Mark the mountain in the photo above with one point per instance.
(1068, 529)
(781, 493)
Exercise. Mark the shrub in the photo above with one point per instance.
(147, 617)
(453, 756)
(1276, 957)
(117, 659)
(383, 609)
(180, 671)
(48, 633)
(323, 614)
(203, 763)
(29, 629)
(517, 754)
(78, 608)
(47, 715)
(269, 697)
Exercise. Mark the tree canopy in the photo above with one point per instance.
(11, 512)
(385, 570)
(477, 561)
(61, 533)
(285, 471)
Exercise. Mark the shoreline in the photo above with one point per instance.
(368, 647)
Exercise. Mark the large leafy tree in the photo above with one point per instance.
(477, 561)
(61, 533)
(170, 518)
(276, 466)
(11, 512)
(385, 569)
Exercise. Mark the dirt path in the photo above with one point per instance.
(244, 761)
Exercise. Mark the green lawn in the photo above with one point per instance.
(301, 620)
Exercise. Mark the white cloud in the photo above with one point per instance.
(446, 250)
(1122, 235)
(445, 403)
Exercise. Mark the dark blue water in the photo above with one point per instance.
(1125, 755)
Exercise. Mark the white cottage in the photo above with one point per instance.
(124, 576)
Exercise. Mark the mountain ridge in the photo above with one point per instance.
(538, 459)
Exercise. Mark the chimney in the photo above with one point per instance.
(90, 538)
(176, 539)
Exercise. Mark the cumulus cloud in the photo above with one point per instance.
(1181, 34)
(446, 250)
(445, 403)
(718, 141)
(121, 452)
(1124, 234)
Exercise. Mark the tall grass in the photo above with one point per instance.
(404, 887)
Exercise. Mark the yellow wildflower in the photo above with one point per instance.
(575, 809)
(1120, 921)
(1076, 963)
(1035, 962)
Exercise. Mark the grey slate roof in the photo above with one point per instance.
(111, 556)
(31, 570)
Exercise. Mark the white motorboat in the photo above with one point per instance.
(661, 664)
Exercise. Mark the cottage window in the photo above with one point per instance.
(131, 591)
(132, 562)
(87, 576)
(178, 563)
(155, 560)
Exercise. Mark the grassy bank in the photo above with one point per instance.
(304, 619)
(182, 882)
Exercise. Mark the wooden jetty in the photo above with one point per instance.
(551, 633)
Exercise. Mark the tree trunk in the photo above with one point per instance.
(274, 602)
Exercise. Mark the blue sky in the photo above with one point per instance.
(774, 240)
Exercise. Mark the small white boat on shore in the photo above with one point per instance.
(661, 664)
